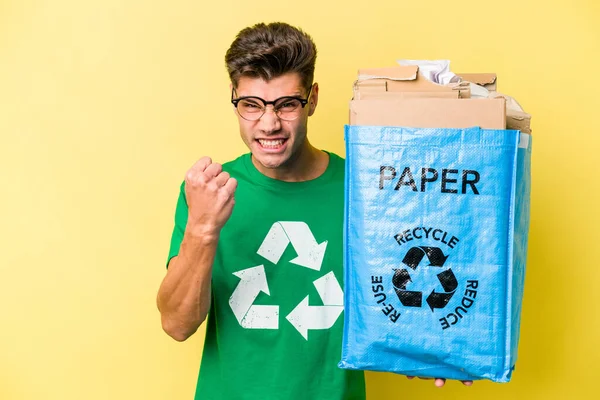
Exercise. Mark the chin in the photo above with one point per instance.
(271, 161)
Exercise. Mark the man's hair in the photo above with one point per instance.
(268, 51)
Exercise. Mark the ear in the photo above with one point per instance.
(314, 99)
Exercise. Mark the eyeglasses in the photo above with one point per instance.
(252, 108)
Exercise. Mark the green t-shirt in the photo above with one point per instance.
(275, 323)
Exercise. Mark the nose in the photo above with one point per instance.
(269, 122)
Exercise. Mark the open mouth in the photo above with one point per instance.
(271, 144)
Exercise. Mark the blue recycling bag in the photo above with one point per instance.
(435, 245)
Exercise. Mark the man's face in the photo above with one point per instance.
(273, 142)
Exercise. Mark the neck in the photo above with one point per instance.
(310, 163)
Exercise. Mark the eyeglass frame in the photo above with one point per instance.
(303, 103)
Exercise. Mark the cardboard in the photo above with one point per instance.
(429, 112)
(376, 94)
(402, 79)
(400, 96)
(518, 120)
(516, 117)
(487, 80)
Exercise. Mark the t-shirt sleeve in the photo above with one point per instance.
(181, 216)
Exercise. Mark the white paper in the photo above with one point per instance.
(437, 71)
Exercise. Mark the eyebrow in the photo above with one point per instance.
(295, 94)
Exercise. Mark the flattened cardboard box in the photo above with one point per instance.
(402, 79)
(429, 113)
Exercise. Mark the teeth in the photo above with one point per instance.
(270, 143)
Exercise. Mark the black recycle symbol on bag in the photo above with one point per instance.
(412, 259)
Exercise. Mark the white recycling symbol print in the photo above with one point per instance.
(254, 280)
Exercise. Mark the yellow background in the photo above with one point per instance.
(105, 104)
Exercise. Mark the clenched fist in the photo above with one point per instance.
(209, 193)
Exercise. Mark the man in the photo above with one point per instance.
(263, 341)
(268, 271)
